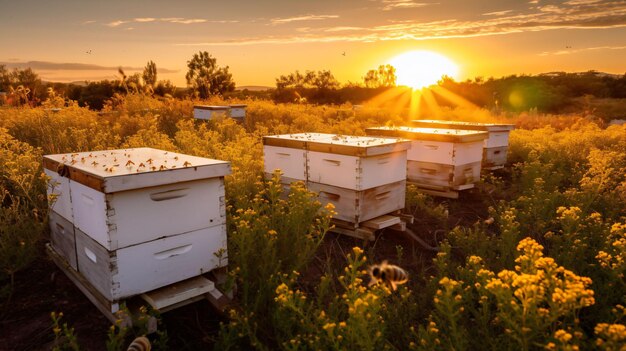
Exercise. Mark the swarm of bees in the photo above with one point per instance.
(140, 344)
(147, 165)
(388, 274)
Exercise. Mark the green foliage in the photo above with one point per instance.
(64, 336)
(206, 78)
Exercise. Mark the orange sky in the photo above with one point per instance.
(68, 40)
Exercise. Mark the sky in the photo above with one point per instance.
(75, 40)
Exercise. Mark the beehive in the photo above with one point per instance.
(442, 159)
(364, 177)
(495, 147)
(135, 220)
(238, 111)
(209, 112)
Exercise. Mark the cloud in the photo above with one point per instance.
(570, 51)
(88, 22)
(302, 18)
(497, 13)
(116, 23)
(184, 21)
(403, 4)
(62, 66)
(145, 19)
(578, 14)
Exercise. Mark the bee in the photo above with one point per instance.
(149, 161)
(82, 160)
(389, 274)
(130, 163)
(153, 168)
(141, 165)
(163, 167)
(186, 164)
(140, 344)
(94, 163)
(176, 158)
(63, 170)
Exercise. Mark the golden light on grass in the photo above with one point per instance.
(419, 69)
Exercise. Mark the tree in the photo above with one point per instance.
(384, 76)
(206, 78)
(150, 74)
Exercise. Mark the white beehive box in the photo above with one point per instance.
(495, 146)
(207, 112)
(362, 176)
(146, 202)
(238, 111)
(445, 159)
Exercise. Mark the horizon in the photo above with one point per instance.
(71, 41)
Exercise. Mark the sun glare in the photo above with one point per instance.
(418, 69)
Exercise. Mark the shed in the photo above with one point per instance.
(495, 147)
(134, 220)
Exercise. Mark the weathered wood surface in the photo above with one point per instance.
(63, 239)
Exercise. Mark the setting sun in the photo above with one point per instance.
(418, 69)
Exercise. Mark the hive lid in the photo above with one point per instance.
(435, 123)
(429, 134)
(207, 107)
(126, 169)
(338, 144)
(238, 106)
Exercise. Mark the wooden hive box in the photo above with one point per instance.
(207, 112)
(142, 218)
(441, 159)
(495, 146)
(238, 111)
(364, 177)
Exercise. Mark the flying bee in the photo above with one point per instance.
(387, 273)
(140, 344)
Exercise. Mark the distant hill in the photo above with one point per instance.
(254, 87)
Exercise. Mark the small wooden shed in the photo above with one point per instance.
(364, 177)
(443, 160)
(496, 145)
(207, 112)
(134, 220)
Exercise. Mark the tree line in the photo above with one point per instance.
(551, 93)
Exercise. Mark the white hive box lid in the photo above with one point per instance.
(339, 144)
(435, 123)
(111, 171)
(211, 107)
(430, 134)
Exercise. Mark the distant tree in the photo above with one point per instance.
(5, 79)
(206, 78)
(150, 74)
(164, 87)
(324, 80)
(384, 76)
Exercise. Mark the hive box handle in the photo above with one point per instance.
(172, 252)
(169, 194)
(60, 228)
(333, 162)
(383, 195)
(91, 255)
(330, 196)
(432, 147)
(383, 160)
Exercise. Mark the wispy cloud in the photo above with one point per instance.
(497, 13)
(579, 14)
(186, 21)
(65, 66)
(88, 22)
(145, 19)
(116, 23)
(403, 4)
(570, 51)
(302, 18)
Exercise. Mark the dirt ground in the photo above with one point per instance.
(25, 322)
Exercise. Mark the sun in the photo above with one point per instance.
(419, 69)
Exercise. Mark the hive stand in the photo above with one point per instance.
(367, 230)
